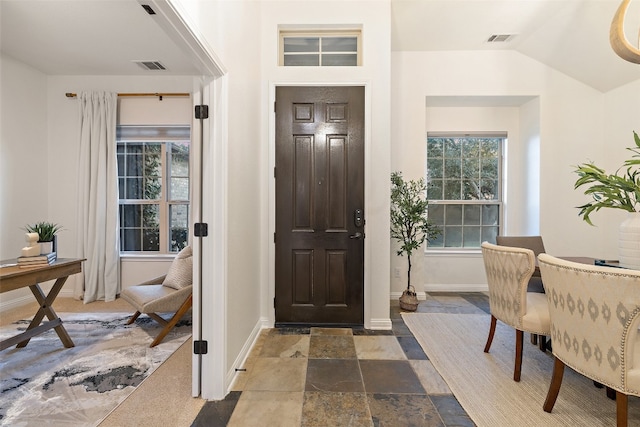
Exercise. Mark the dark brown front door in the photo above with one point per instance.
(319, 205)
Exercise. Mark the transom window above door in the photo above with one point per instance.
(320, 48)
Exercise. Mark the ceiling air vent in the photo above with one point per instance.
(151, 65)
(495, 38)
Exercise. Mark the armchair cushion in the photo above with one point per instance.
(180, 273)
(155, 298)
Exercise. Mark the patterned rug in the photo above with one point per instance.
(483, 383)
(47, 384)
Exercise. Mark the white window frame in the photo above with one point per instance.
(162, 135)
(501, 188)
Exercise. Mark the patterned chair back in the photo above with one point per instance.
(595, 316)
(508, 272)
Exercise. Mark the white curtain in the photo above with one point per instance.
(98, 240)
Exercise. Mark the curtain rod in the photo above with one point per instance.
(159, 95)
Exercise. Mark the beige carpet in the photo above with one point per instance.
(483, 383)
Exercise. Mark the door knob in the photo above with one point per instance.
(358, 235)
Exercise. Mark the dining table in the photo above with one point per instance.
(13, 277)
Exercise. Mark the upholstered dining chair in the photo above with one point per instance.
(536, 244)
(171, 293)
(508, 271)
(595, 321)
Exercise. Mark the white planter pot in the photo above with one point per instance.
(629, 242)
(46, 248)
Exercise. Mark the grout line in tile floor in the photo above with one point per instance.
(332, 377)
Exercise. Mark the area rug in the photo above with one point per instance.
(483, 383)
(47, 384)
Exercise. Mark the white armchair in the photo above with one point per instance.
(595, 316)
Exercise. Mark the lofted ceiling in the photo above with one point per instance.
(104, 37)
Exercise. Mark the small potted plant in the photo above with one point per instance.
(620, 190)
(46, 235)
(410, 226)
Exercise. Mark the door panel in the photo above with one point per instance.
(319, 185)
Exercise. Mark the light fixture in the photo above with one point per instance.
(617, 38)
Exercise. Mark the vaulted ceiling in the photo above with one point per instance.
(105, 37)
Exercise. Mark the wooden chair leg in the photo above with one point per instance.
(534, 339)
(554, 387)
(133, 318)
(518, 363)
(492, 330)
(621, 409)
(543, 344)
(172, 322)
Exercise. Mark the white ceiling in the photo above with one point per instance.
(103, 37)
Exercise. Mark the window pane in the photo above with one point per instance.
(471, 237)
(179, 189)
(339, 44)
(179, 221)
(452, 168)
(134, 165)
(179, 170)
(453, 215)
(490, 214)
(130, 239)
(452, 189)
(130, 216)
(472, 215)
(151, 240)
(489, 234)
(301, 60)
(152, 188)
(179, 159)
(301, 44)
(344, 60)
(121, 188)
(464, 170)
(133, 188)
(436, 214)
(453, 236)
(434, 169)
(435, 189)
(150, 216)
(435, 147)
(452, 148)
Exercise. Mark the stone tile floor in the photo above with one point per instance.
(334, 377)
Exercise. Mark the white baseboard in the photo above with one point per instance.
(479, 287)
(380, 324)
(444, 288)
(244, 353)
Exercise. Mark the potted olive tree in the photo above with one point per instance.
(620, 190)
(46, 235)
(410, 226)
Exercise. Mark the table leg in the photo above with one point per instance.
(47, 309)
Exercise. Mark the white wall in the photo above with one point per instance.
(24, 169)
(244, 35)
(232, 29)
(563, 116)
